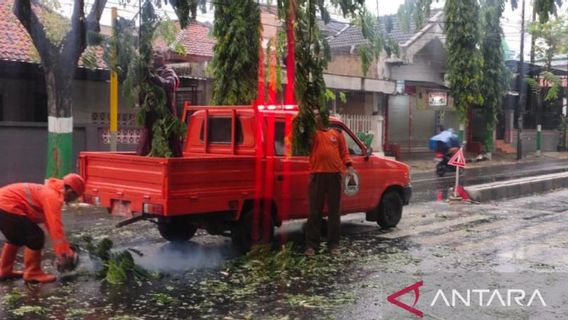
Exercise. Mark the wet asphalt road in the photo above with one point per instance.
(519, 244)
(428, 187)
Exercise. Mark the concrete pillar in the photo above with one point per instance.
(371, 102)
(379, 129)
(509, 126)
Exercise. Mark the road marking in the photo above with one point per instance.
(551, 249)
(533, 210)
(517, 236)
(431, 227)
(452, 235)
(511, 174)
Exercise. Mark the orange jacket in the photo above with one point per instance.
(41, 204)
(329, 152)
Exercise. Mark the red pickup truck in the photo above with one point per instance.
(235, 176)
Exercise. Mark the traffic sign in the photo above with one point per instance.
(457, 160)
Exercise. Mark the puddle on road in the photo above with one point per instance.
(178, 257)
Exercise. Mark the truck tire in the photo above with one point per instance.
(242, 232)
(177, 229)
(390, 210)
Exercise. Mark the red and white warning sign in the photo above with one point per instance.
(457, 160)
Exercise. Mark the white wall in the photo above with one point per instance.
(93, 96)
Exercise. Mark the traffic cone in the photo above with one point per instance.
(462, 193)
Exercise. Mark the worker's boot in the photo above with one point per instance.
(7, 259)
(33, 272)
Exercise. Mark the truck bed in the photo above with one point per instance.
(200, 184)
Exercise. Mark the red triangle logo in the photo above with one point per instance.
(414, 288)
(457, 160)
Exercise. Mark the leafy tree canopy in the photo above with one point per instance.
(464, 71)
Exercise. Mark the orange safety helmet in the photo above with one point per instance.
(76, 183)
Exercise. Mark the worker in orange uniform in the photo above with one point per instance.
(329, 159)
(22, 207)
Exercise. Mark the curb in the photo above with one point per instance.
(517, 187)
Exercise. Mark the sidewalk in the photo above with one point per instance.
(424, 163)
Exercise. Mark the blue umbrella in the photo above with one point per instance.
(447, 137)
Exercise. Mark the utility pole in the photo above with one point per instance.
(113, 128)
(521, 105)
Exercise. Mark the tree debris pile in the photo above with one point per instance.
(117, 267)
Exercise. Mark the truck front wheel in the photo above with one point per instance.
(244, 235)
(390, 210)
(176, 229)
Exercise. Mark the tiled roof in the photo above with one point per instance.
(196, 40)
(332, 28)
(352, 36)
(15, 43)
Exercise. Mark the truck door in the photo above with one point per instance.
(291, 177)
(358, 191)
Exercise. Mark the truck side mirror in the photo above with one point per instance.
(368, 153)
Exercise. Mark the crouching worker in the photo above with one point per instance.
(22, 207)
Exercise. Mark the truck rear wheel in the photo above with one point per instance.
(390, 210)
(243, 235)
(176, 229)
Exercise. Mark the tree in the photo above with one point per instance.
(545, 8)
(59, 51)
(496, 77)
(416, 11)
(377, 40)
(59, 55)
(312, 55)
(235, 55)
(134, 61)
(464, 59)
(552, 38)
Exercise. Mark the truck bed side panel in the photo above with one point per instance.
(219, 184)
(193, 185)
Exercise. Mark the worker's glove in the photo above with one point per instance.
(67, 261)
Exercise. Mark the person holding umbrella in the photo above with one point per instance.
(445, 144)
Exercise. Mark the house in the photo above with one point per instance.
(420, 103)
(548, 116)
(23, 100)
(196, 87)
(23, 103)
(366, 94)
